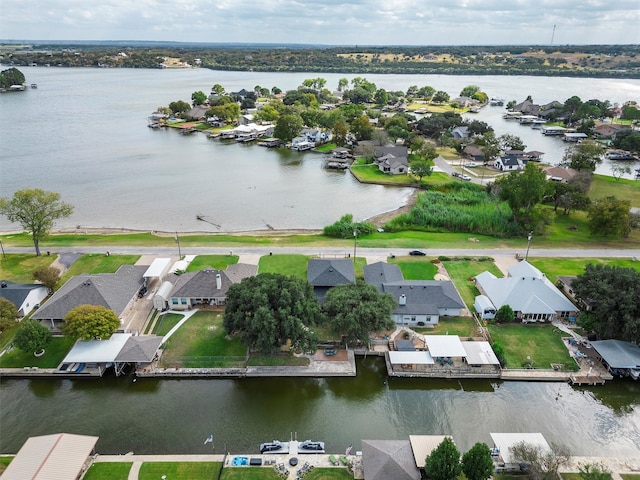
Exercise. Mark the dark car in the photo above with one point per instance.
(419, 253)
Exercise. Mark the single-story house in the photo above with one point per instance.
(324, 274)
(620, 358)
(114, 291)
(389, 459)
(392, 159)
(528, 292)
(506, 163)
(559, 174)
(246, 119)
(63, 456)
(527, 108)
(474, 153)
(609, 130)
(461, 133)
(417, 301)
(208, 286)
(25, 296)
(199, 112)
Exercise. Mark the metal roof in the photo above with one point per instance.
(480, 353)
(410, 358)
(445, 346)
(60, 456)
(618, 354)
(97, 351)
(423, 445)
(157, 268)
(504, 441)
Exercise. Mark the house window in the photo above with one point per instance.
(174, 301)
(183, 301)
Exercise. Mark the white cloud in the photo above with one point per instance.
(362, 22)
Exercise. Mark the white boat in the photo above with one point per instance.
(273, 447)
(311, 446)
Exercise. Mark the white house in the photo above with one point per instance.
(24, 296)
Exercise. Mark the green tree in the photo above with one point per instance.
(342, 84)
(198, 98)
(594, 472)
(48, 276)
(226, 111)
(609, 216)
(511, 142)
(340, 131)
(217, 89)
(36, 211)
(88, 322)
(356, 310)
(31, 336)
(613, 291)
(440, 97)
(585, 156)
(8, 314)
(523, 191)
(426, 92)
(179, 106)
(444, 462)
(288, 126)
(469, 91)
(11, 76)
(619, 170)
(421, 168)
(381, 97)
(504, 314)
(361, 128)
(489, 146)
(477, 463)
(270, 309)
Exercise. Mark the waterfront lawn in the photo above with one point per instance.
(19, 268)
(413, 268)
(460, 271)
(571, 476)
(165, 323)
(4, 461)
(249, 473)
(295, 265)
(623, 189)
(279, 360)
(93, 263)
(464, 327)
(108, 471)
(630, 476)
(553, 267)
(190, 470)
(53, 356)
(329, 474)
(201, 342)
(218, 262)
(541, 342)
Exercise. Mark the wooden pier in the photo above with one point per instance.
(586, 380)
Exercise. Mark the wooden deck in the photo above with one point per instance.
(586, 380)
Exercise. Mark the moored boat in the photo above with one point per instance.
(271, 447)
(311, 446)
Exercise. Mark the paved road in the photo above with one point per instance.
(339, 252)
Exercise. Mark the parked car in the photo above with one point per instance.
(418, 253)
(464, 178)
(471, 164)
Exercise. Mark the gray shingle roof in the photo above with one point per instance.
(389, 459)
(17, 293)
(139, 349)
(201, 284)
(110, 290)
(381, 272)
(329, 273)
(440, 294)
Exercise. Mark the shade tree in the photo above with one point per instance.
(443, 463)
(89, 322)
(31, 336)
(477, 463)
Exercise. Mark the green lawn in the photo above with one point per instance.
(249, 473)
(108, 471)
(630, 476)
(460, 271)
(542, 343)
(553, 267)
(54, 354)
(371, 174)
(623, 189)
(413, 268)
(190, 470)
(201, 342)
(295, 265)
(19, 268)
(165, 323)
(98, 263)
(280, 360)
(571, 476)
(462, 326)
(219, 262)
(4, 461)
(329, 474)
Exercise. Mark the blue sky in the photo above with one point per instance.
(329, 22)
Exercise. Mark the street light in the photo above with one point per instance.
(177, 239)
(355, 241)
(529, 237)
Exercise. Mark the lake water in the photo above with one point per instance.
(175, 416)
(83, 133)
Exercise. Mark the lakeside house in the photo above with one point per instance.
(324, 274)
(528, 292)
(25, 296)
(392, 159)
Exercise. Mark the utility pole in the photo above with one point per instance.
(529, 237)
(355, 242)
(177, 239)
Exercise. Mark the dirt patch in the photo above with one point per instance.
(382, 218)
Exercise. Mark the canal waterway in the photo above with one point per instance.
(175, 416)
(83, 133)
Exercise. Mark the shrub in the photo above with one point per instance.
(32, 336)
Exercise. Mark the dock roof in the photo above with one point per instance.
(618, 354)
(505, 441)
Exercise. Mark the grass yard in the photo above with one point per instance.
(461, 270)
(281, 360)
(416, 269)
(165, 323)
(218, 262)
(329, 474)
(54, 354)
(98, 263)
(630, 476)
(542, 343)
(553, 267)
(623, 189)
(571, 476)
(190, 470)
(295, 265)
(201, 342)
(4, 461)
(462, 326)
(249, 473)
(19, 268)
(108, 471)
